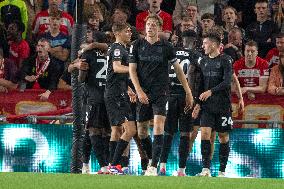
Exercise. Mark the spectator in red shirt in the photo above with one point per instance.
(272, 56)
(19, 48)
(252, 71)
(41, 22)
(155, 9)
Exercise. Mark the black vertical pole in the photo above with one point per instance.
(78, 34)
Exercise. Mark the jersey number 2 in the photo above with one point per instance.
(226, 121)
(102, 73)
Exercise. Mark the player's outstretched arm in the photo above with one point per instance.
(181, 77)
(134, 78)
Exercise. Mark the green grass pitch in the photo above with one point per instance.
(72, 181)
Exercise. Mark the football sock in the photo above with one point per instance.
(106, 147)
(167, 144)
(112, 147)
(147, 146)
(124, 161)
(97, 141)
(157, 148)
(87, 147)
(205, 152)
(121, 145)
(183, 151)
(224, 155)
(144, 163)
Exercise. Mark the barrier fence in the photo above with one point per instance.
(25, 107)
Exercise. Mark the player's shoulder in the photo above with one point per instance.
(116, 46)
(138, 42)
(166, 43)
(204, 58)
(195, 53)
(179, 51)
(226, 58)
(116, 49)
(88, 53)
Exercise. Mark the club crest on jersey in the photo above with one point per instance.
(116, 52)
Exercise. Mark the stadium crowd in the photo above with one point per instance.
(35, 43)
(24, 23)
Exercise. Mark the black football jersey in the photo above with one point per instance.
(185, 57)
(96, 75)
(116, 83)
(97, 68)
(217, 77)
(152, 64)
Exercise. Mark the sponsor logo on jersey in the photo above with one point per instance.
(249, 73)
(116, 52)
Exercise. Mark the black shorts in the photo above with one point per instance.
(97, 116)
(118, 110)
(220, 122)
(156, 106)
(176, 118)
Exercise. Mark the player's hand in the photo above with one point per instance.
(132, 95)
(251, 96)
(174, 39)
(188, 103)
(196, 111)
(143, 98)
(231, 45)
(278, 90)
(80, 64)
(30, 78)
(45, 95)
(241, 105)
(204, 96)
